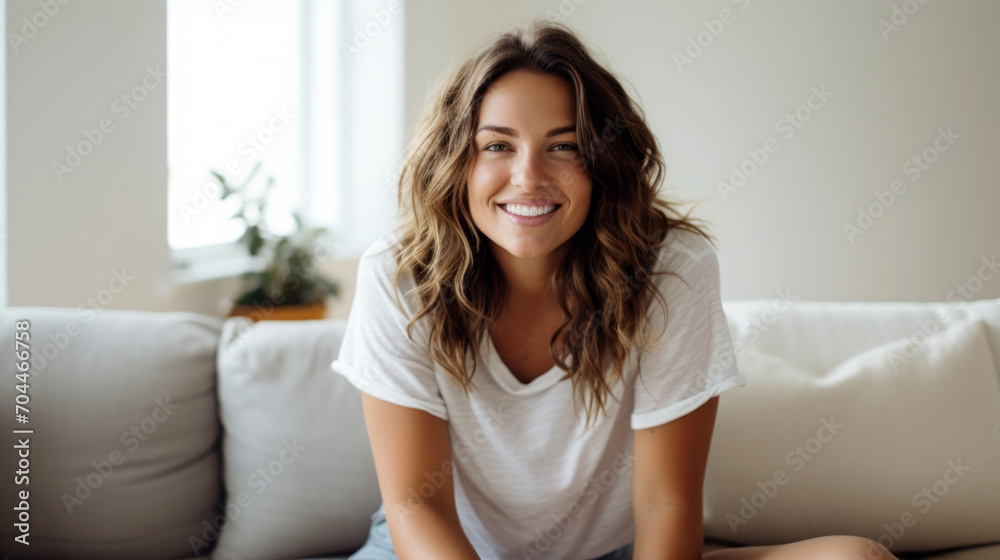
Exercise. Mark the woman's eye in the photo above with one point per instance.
(564, 147)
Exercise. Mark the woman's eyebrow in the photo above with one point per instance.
(512, 133)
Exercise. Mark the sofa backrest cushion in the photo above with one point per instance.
(818, 335)
(299, 474)
(898, 442)
(123, 458)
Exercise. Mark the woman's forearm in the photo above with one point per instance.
(668, 533)
(429, 532)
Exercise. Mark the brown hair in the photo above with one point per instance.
(602, 284)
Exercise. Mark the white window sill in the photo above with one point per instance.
(200, 264)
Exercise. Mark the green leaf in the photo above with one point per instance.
(256, 242)
(333, 288)
(226, 190)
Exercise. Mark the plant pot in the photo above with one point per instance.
(280, 313)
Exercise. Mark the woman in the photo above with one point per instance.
(536, 268)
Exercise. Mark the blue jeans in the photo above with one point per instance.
(379, 545)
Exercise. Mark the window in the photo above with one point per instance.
(313, 89)
(241, 87)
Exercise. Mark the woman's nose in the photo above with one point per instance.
(529, 172)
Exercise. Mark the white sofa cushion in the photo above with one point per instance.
(299, 474)
(818, 335)
(123, 460)
(848, 449)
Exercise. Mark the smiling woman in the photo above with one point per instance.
(529, 193)
(537, 255)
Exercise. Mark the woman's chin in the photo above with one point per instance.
(529, 250)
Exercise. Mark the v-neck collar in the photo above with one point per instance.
(508, 381)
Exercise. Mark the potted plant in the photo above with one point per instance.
(289, 287)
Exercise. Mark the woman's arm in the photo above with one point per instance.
(667, 484)
(412, 455)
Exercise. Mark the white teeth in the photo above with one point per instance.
(525, 210)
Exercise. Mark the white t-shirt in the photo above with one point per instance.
(529, 483)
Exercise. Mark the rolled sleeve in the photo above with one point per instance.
(376, 356)
(694, 359)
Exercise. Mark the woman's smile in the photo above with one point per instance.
(525, 215)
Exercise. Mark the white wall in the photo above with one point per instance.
(71, 239)
(784, 228)
(3, 160)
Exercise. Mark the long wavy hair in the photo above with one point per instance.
(602, 285)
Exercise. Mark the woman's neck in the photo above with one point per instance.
(529, 278)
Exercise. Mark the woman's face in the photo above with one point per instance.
(528, 190)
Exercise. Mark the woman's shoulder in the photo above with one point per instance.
(378, 261)
(377, 270)
(384, 247)
(686, 250)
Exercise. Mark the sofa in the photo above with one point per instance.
(167, 435)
